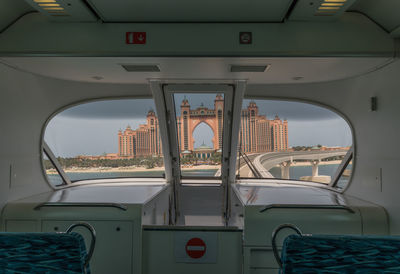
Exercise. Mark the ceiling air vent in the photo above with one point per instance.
(141, 68)
(330, 7)
(249, 68)
(319, 10)
(64, 10)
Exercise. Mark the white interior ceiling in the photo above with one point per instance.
(191, 11)
(281, 70)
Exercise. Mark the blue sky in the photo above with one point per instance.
(92, 128)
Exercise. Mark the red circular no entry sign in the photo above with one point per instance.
(195, 248)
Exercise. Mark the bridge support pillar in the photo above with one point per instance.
(314, 168)
(285, 170)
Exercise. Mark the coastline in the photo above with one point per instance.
(143, 169)
(335, 162)
(126, 169)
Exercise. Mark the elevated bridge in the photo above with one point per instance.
(265, 161)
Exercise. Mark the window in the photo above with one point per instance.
(106, 139)
(293, 141)
(199, 119)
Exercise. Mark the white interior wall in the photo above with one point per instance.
(26, 101)
(376, 134)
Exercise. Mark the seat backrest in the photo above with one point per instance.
(42, 253)
(340, 254)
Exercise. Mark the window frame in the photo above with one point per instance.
(351, 152)
(227, 90)
(71, 183)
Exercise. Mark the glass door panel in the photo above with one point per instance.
(199, 123)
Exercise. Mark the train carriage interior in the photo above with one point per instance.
(200, 137)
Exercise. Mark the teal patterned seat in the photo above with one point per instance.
(42, 253)
(340, 254)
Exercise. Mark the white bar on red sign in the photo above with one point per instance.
(195, 247)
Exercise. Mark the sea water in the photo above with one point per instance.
(295, 173)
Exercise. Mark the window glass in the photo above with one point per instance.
(291, 140)
(199, 120)
(107, 139)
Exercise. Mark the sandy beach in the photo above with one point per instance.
(126, 169)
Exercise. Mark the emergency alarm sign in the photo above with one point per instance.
(135, 37)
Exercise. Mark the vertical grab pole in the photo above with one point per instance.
(238, 93)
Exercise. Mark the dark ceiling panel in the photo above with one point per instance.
(191, 11)
(384, 12)
(11, 10)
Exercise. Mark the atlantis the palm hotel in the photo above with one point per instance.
(258, 134)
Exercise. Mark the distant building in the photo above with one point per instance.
(189, 119)
(144, 141)
(203, 152)
(108, 156)
(324, 148)
(257, 134)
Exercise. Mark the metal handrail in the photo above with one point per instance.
(58, 204)
(275, 233)
(304, 206)
(92, 243)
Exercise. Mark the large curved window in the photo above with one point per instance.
(294, 141)
(104, 139)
